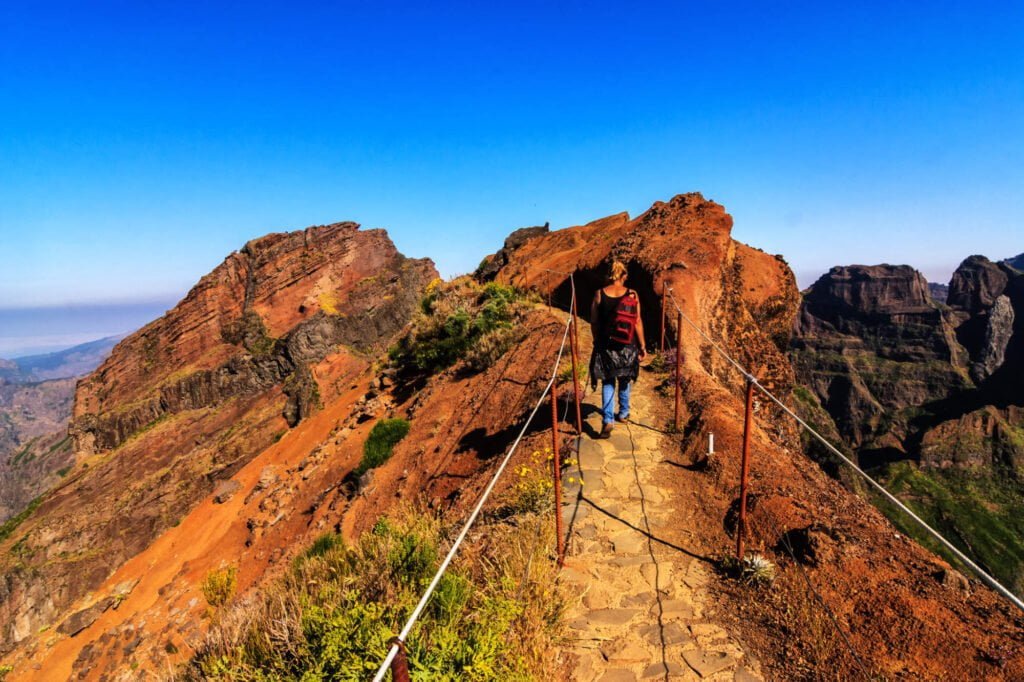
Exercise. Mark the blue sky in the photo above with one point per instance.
(140, 143)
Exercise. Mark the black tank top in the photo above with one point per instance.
(606, 307)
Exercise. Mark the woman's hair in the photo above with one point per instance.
(616, 272)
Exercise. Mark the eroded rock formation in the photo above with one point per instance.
(901, 374)
(190, 398)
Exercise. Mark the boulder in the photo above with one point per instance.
(225, 490)
(80, 620)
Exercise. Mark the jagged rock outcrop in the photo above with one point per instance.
(986, 298)
(283, 301)
(192, 397)
(870, 342)
(998, 331)
(494, 263)
(748, 296)
(976, 284)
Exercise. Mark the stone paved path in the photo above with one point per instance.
(640, 612)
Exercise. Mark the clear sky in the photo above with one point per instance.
(142, 142)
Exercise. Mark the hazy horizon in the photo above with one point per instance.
(48, 329)
(38, 329)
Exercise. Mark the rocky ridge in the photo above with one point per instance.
(255, 348)
(928, 394)
(875, 581)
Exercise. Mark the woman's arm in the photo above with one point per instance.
(593, 314)
(640, 329)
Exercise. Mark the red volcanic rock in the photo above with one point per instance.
(686, 245)
(193, 396)
(282, 302)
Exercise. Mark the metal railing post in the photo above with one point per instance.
(556, 469)
(741, 524)
(400, 663)
(573, 335)
(679, 362)
(664, 312)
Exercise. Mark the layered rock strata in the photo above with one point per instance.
(254, 348)
(901, 374)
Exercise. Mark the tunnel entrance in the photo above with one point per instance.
(589, 280)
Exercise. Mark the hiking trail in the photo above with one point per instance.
(643, 597)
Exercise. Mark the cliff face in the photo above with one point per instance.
(928, 394)
(898, 372)
(870, 342)
(255, 347)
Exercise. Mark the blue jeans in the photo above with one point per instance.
(607, 402)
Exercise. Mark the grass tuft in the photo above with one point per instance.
(380, 443)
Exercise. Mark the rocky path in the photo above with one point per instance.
(642, 593)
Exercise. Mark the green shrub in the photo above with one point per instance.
(11, 524)
(219, 585)
(460, 320)
(324, 544)
(378, 446)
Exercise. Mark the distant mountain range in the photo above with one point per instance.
(71, 362)
(36, 396)
(922, 384)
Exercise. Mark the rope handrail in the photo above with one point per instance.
(981, 573)
(414, 616)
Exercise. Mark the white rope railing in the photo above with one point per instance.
(981, 573)
(414, 616)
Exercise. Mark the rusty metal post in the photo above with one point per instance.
(576, 316)
(556, 468)
(741, 525)
(664, 313)
(400, 664)
(679, 362)
(573, 337)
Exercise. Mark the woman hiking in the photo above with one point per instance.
(618, 345)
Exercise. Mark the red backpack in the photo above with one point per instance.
(623, 328)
